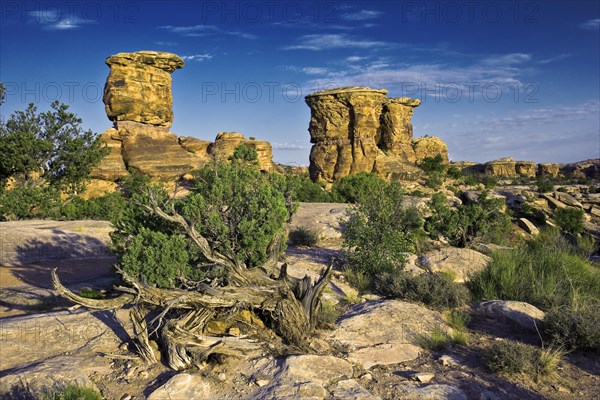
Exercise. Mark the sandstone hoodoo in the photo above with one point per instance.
(359, 129)
(139, 101)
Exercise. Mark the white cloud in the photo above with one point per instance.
(556, 58)
(314, 70)
(204, 30)
(53, 20)
(198, 57)
(591, 25)
(317, 42)
(288, 146)
(160, 43)
(355, 58)
(362, 15)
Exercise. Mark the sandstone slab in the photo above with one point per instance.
(182, 386)
(517, 313)
(459, 262)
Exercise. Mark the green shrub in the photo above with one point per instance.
(454, 173)
(379, 231)
(302, 189)
(235, 207)
(90, 293)
(433, 289)
(547, 271)
(509, 357)
(72, 392)
(569, 219)
(574, 328)
(544, 185)
(157, 258)
(562, 189)
(437, 340)
(303, 237)
(27, 202)
(357, 188)
(465, 224)
(533, 214)
(328, 313)
(433, 165)
(434, 181)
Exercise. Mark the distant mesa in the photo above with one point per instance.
(138, 99)
(359, 129)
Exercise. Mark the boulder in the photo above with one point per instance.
(567, 199)
(528, 226)
(526, 168)
(431, 392)
(430, 146)
(112, 166)
(552, 202)
(384, 332)
(504, 167)
(549, 170)
(458, 262)
(225, 143)
(300, 376)
(351, 389)
(138, 87)
(182, 386)
(358, 129)
(517, 313)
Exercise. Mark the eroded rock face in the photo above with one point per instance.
(430, 146)
(138, 87)
(138, 99)
(358, 129)
(504, 167)
(547, 169)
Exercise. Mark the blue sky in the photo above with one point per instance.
(497, 78)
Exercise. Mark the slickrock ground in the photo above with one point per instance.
(370, 353)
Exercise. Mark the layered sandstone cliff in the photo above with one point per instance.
(138, 99)
(359, 129)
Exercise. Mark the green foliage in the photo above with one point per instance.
(434, 181)
(454, 173)
(244, 154)
(328, 313)
(72, 392)
(51, 146)
(433, 165)
(301, 188)
(533, 214)
(379, 231)
(437, 340)
(90, 293)
(509, 357)
(544, 184)
(235, 207)
(574, 327)
(2, 93)
(109, 207)
(465, 224)
(569, 219)
(433, 289)
(27, 202)
(547, 272)
(357, 188)
(303, 237)
(157, 258)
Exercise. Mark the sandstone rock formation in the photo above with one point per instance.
(548, 169)
(358, 129)
(138, 87)
(138, 100)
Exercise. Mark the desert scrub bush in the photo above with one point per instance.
(90, 293)
(433, 289)
(544, 185)
(546, 271)
(433, 165)
(328, 313)
(437, 340)
(533, 214)
(434, 181)
(303, 237)
(357, 188)
(515, 357)
(301, 188)
(574, 327)
(458, 322)
(235, 207)
(27, 202)
(569, 219)
(157, 258)
(379, 231)
(481, 221)
(509, 357)
(454, 173)
(72, 392)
